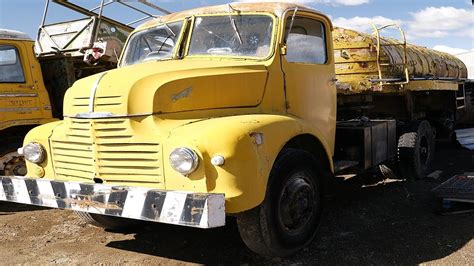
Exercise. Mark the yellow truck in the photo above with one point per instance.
(236, 110)
(34, 75)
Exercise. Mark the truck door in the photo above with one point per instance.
(18, 97)
(308, 67)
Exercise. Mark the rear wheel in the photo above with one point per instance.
(12, 163)
(416, 148)
(108, 222)
(288, 218)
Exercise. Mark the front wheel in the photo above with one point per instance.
(12, 163)
(108, 222)
(288, 218)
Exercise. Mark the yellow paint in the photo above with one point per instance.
(429, 85)
(210, 104)
(41, 135)
(310, 89)
(356, 65)
(24, 103)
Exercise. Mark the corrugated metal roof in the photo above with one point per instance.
(466, 137)
(14, 35)
(457, 188)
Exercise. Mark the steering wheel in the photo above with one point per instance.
(219, 50)
(156, 55)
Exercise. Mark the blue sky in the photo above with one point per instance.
(447, 25)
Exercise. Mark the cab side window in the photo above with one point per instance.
(306, 42)
(10, 65)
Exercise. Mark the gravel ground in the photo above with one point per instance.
(366, 222)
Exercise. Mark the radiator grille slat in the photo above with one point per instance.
(106, 149)
(99, 101)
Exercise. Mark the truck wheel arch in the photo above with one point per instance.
(17, 130)
(11, 163)
(311, 144)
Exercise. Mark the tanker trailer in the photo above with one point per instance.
(421, 89)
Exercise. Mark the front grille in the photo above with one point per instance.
(102, 101)
(106, 149)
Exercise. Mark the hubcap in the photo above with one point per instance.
(296, 203)
(13, 164)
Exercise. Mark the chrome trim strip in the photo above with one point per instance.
(20, 110)
(92, 115)
(94, 91)
(5, 95)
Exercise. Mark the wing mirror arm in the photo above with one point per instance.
(284, 47)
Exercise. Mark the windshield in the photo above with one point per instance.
(153, 44)
(243, 35)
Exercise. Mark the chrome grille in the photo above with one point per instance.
(105, 149)
(103, 101)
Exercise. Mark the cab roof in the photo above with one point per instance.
(14, 35)
(276, 8)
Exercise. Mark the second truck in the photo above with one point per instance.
(244, 110)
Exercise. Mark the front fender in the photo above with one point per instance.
(243, 178)
(41, 134)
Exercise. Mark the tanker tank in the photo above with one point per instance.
(360, 68)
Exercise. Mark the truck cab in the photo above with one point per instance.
(225, 103)
(22, 94)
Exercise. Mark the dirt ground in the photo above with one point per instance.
(391, 223)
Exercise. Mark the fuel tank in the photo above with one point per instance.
(357, 69)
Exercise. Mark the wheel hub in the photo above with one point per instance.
(13, 164)
(296, 203)
(424, 150)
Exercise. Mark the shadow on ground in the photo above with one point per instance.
(8, 208)
(392, 223)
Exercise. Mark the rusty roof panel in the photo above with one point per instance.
(14, 35)
(276, 8)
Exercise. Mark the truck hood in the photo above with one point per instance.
(168, 87)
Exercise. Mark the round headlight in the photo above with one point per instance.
(34, 152)
(184, 160)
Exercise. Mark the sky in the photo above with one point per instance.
(446, 25)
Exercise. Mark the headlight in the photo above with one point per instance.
(184, 160)
(34, 152)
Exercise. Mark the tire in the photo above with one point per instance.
(108, 222)
(416, 149)
(289, 216)
(12, 163)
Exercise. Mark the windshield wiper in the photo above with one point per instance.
(234, 26)
(163, 43)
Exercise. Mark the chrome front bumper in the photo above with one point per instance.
(200, 210)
